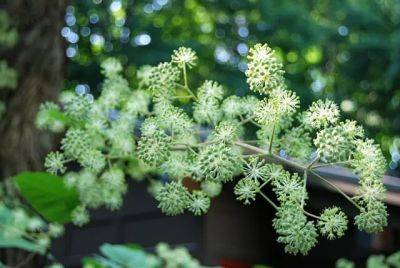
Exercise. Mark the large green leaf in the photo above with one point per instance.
(128, 257)
(48, 194)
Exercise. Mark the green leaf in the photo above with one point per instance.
(48, 195)
(124, 255)
(91, 263)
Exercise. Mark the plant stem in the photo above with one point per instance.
(264, 183)
(330, 164)
(304, 187)
(248, 119)
(279, 159)
(296, 166)
(185, 76)
(313, 162)
(252, 155)
(272, 139)
(269, 200)
(195, 145)
(337, 188)
(311, 215)
(188, 90)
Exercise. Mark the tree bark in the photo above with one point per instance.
(39, 60)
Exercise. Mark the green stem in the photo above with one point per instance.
(269, 200)
(313, 162)
(296, 166)
(330, 164)
(201, 144)
(252, 155)
(246, 120)
(304, 187)
(264, 183)
(185, 76)
(192, 95)
(272, 139)
(311, 215)
(337, 188)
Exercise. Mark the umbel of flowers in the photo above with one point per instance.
(128, 132)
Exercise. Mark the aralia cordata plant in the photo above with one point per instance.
(208, 145)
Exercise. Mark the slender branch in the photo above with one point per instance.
(250, 141)
(275, 157)
(288, 162)
(183, 97)
(185, 76)
(311, 215)
(201, 144)
(313, 162)
(272, 139)
(255, 123)
(337, 188)
(264, 183)
(296, 166)
(304, 187)
(248, 119)
(109, 162)
(191, 149)
(252, 155)
(188, 90)
(269, 200)
(330, 164)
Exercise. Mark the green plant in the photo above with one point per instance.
(118, 256)
(19, 229)
(374, 261)
(210, 147)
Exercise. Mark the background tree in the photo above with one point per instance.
(38, 58)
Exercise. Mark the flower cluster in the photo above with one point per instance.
(333, 223)
(205, 144)
(265, 72)
(297, 233)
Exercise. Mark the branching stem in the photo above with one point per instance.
(311, 215)
(269, 200)
(295, 165)
(337, 188)
(304, 187)
(330, 164)
(185, 76)
(246, 120)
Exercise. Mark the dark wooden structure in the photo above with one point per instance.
(231, 234)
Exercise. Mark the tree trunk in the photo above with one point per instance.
(38, 58)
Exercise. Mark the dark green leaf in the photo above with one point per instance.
(48, 195)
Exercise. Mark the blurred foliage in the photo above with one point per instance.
(8, 76)
(132, 255)
(374, 261)
(347, 50)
